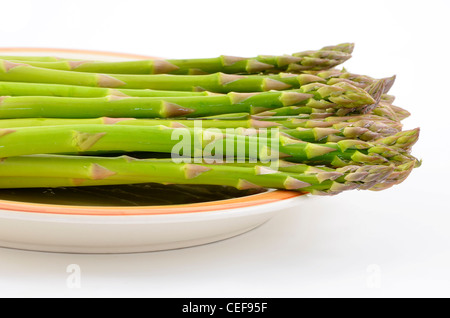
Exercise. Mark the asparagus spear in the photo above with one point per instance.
(371, 122)
(324, 58)
(172, 123)
(381, 109)
(216, 82)
(315, 135)
(341, 132)
(127, 138)
(57, 171)
(311, 95)
(363, 127)
(332, 129)
(228, 116)
(60, 90)
(398, 175)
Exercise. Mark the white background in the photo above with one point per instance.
(338, 247)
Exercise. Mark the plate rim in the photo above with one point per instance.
(227, 204)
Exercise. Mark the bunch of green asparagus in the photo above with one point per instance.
(292, 122)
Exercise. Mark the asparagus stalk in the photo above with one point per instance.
(228, 116)
(314, 135)
(43, 89)
(324, 58)
(333, 129)
(339, 132)
(216, 82)
(371, 122)
(311, 95)
(383, 110)
(172, 123)
(290, 111)
(361, 127)
(57, 171)
(60, 90)
(398, 175)
(127, 138)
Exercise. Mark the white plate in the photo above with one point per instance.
(71, 229)
(75, 233)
